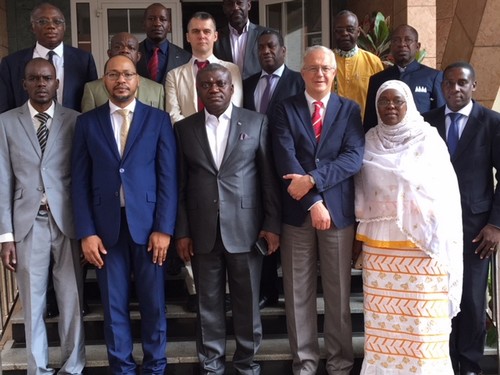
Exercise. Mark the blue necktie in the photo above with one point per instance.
(453, 132)
(266, 95)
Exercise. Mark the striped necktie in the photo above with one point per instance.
(317, 119)
(42, 132)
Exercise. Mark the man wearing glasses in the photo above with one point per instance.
(424, 82)
(74, 67)
(318, 144)
(124, 195)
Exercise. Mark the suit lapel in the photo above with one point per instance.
(55, 127)
(200, 133)
(226, 44)
(470, 131)
(136, 126)
(236, 126)
(304, 114)
(332, 111)
(27, 124)
(104, 118)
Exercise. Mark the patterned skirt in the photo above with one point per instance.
(407, 326)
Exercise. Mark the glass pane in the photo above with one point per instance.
(312, 16)
(83, 26)
(274, 17)
(136, 25)
(117, 21)
(294, 33)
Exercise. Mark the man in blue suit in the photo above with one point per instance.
(74, 67)
(124, 194)
(283, 83)
(475, 157)
(318, 144)
(425, 82)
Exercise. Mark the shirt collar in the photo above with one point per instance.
(345, 54)
(150, 46)
(227, 113)
(311, 100)
(50, 111)
(463, 111)
(278, 72)
(211, 59)
(113, 107)
(232, 30)
(43, 51)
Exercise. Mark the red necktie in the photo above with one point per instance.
(317, 120)
(201, 65)
(153, 64)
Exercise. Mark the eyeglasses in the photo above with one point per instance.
(406, 41)
(209, 85)
(315, 69)
(44, 22)
(398, 103)
(114, 76)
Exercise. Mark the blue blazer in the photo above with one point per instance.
(424, 82)
(332, 162)
(79, 68)
(290, 83)
(147, 173)
(477, 153)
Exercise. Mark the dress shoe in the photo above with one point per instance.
(52, 311)
(471, 372)
(192, 303)
(266, 301)
(85, 308)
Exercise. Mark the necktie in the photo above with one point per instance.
(317, 120)
(50, 56)
(266, 95)
(453, 132)
(201, 65)
(42, 132)
(153, 65)
(124, 128)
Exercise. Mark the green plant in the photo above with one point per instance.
(375, 37)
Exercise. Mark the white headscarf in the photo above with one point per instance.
(407, 177)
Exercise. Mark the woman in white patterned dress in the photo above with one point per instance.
(408, 209)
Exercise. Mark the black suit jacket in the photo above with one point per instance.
(243, 194)
(79, 68)
(477, 153)
(290, 83)
(222, 49)
(176, 57)
(424, 82)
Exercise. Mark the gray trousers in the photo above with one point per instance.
(301, 248)
(44, 241)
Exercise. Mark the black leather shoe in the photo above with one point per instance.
(52, 311)
(85, 309)
(471, 373)
(266, 301)
(192, 303)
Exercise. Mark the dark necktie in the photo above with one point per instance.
(201, 65)
(153, 65)
(317, 120)
(452, 139)
(43, 132)
(50, 56)
(266, 95)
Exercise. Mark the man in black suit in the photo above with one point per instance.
(237, 41)
(228, 198)
(424, 82)
(159, 56)
(74, 67)
(472, 133)
(263, 91)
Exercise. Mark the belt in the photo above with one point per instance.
(44, 207)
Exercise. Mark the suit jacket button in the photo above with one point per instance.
(116, 194)
(40, 188)
(215, 200)
(121, 170)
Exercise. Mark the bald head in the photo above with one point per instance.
(125, 44)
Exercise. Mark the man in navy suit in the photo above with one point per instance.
(74, 67)
(124, 194)
(424, 82)
(318, 144)
(169, 56)
(283, 83)
(474, 154)
(237, 40)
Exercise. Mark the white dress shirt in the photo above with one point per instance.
(218, 132)
(238, 45)
(58, 61)
(465, 112)
(261, 85)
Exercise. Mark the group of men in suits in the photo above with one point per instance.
(232, 161)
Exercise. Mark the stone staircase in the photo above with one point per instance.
(274, 355)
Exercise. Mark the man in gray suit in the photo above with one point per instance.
(36, 218)
(228, 198)
(149, 92)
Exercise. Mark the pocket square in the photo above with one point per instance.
(244, 136)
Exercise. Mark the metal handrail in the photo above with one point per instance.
(8, 296)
